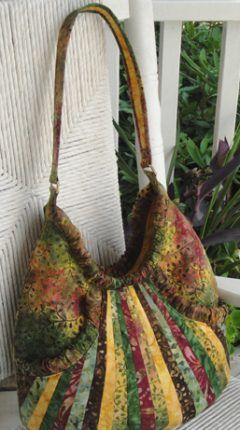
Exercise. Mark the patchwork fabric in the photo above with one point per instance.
(148, 368)
(134, 346)
(172, 255)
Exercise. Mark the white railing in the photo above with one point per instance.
(171, 14)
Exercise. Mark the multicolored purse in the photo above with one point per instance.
(134, 346)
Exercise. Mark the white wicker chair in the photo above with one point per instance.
(225, 414)
(28, 36)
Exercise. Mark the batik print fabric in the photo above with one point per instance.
(148, 368)
(136, 346)
(103, 348)
(172, 255)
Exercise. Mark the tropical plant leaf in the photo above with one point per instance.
(123, 135)
(219, 176)
(195, 153)
(222, 236)
(219, 157)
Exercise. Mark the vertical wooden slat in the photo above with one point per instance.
(113, 57)
(119, 7)
(228, 83)
(140, 30)
(169, 61)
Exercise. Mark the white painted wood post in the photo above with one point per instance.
(229, 290)
(196, 10)
(113, 62)
(169, 61)
(119, 7)
(140, 30)
(228, 84)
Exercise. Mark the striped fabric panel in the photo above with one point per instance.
(32, 398)
(78, 409)
(216, 354)
(223, 415)
(136, 372)
(107, 404)
(92, 411)
(189, 385)
(209, 378)
(41, 408)
(174, 410)
(133, 401)
(56, 400)
(190, 353)
(147, 416)
(69, 397)
(157, 393)
(120, 397)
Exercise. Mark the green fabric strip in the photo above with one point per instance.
(221, 373)
(188, 375)
(29, 404)
(134, 422)
(120, 396)
(195, 344)
(76, 416)
(93, 407)
(56, 400)
(159, 400)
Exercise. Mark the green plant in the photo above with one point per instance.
(233, 328)
(206, 190)
(199, 70)
(208, 194)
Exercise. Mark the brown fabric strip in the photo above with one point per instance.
(219, 333)
(93, 407)
(133, 75)
(183, 392)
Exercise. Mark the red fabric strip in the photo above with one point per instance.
(146, 405)
(187, 351)
(65, 409)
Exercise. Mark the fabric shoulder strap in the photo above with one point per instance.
(134, 82)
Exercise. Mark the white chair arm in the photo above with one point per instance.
(229, 290)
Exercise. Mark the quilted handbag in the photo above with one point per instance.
(134, 346)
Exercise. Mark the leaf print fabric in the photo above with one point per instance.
(138, 345)
(159, 372)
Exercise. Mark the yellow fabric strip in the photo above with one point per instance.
(35, 421)
(217, 355)
(120, 398)
(134, 79)
(172, 402)
(157, 394)
(107, 404)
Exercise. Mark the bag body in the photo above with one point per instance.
(134, 346)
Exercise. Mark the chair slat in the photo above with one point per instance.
(169, 61)
(119, 7)
(228, 84)
(196, 10)
(140, 30)
(113, 63)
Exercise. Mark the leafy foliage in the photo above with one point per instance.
(209, 196)
(233, 328)
(206, 190)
